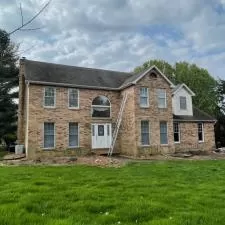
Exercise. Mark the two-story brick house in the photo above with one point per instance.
(73, 110)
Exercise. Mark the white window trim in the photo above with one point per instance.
(180, 102)
(78, 99)
(178, 142)
(78, 136)
(148, 135)
(144, 106)
(165, 97)
(166, 133)
(43, 128)
(203, 134)
(49, 107)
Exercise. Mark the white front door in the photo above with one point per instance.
(101, 135)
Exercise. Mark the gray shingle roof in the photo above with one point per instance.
(198, 115)
(72, 75)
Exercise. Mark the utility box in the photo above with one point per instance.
(19, 149)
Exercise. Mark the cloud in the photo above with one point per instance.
(121, 34)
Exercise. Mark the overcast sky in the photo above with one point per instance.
(121, 34)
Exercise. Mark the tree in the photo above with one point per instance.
(8, 83)
(197, 79)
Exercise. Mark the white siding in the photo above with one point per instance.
(176, 103)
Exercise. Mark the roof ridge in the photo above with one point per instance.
(79, 67)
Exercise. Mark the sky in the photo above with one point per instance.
(120, 34)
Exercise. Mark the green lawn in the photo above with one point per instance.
(173, 192)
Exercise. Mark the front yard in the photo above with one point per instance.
(160, 192)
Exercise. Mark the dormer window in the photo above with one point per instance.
(183, 103)
(101, 107)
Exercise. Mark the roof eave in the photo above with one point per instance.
(187, 88)
(185, 120)
(71, 85)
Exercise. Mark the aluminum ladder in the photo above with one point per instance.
(118, 122)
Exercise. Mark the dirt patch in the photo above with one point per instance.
(101, 161)
(104, 161)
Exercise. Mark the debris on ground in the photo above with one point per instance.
(115, 161)
(95, 160)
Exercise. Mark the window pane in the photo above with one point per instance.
(144, 101)
(101, 101)
(161, 96)
(49, 135)
(200, 132)
(73, 97)
(145, 133)
(163, 133)
(144, 96)
(100, 130)
(100, 111)
(49, 96)
(183, 103)
(176, 130)
(73, 134)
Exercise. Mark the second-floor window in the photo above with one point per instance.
(73, 98)
(101, 107)
(49, 96)
(183, 103)
(161, 97)
(144, 97)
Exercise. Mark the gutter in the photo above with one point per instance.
(27, 118)
(209, 121)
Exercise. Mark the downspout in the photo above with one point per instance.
(27, 120)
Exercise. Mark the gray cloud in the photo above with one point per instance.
(116, 34)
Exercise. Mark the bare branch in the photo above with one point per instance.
(21, 13)
(32, 19)
(29, 29)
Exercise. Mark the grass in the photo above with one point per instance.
(174, 192)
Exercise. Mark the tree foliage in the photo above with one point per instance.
(197, 79)
(8, 83)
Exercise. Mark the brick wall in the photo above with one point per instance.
(189, 137)
(61, 116)
(154, 115)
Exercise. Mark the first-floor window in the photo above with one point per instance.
(145, 132)
(200, 132)
(73, 135)
(163, 133)
(49, 135)
(176, 132)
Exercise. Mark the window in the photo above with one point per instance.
(144, 97)
(49, 135)
(100, 107)
(73, 98)
(73, 135)
(49, 96)
(145, 132)
(163, 133)
(176, 132)
(200, 132)
(161, 95)
(183, 103)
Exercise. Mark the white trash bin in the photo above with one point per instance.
(19, 149)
